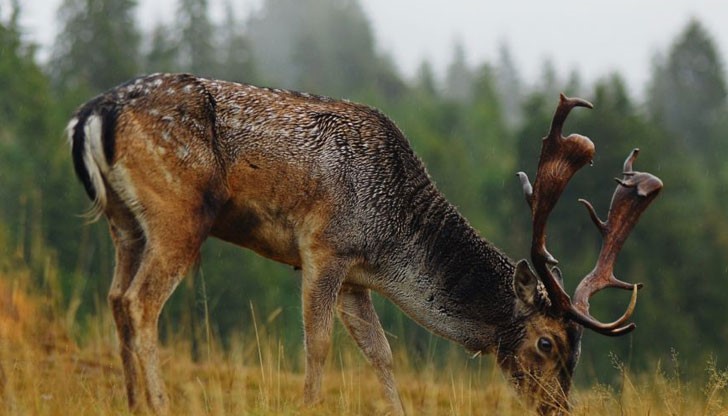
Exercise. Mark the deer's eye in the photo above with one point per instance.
(544, 345)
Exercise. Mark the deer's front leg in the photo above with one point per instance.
(322, 281)
(360, 319)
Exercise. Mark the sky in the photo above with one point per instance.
(594, 38)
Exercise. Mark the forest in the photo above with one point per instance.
(475, 127)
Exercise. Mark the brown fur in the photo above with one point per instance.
(330, 187)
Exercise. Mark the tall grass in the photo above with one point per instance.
(46, 371)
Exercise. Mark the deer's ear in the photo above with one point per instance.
(525, 284)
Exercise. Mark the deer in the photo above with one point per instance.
(333, 188)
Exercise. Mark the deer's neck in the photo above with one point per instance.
(456, 284)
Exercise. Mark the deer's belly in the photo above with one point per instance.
(266, 233)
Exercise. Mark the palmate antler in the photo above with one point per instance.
(560, 158)
(633, 194)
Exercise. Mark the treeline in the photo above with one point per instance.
(474, 128)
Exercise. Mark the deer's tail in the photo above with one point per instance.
(91, 135)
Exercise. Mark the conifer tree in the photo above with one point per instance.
(98, 45)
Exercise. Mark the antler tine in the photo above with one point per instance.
(627, 167)
(633, 195)
(562, 111)
(561, 157)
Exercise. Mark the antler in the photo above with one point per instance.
(635, 192)
(560, 158)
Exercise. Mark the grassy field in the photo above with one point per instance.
(46, 372)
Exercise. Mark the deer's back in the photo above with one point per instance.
(276, 169)
(299, 164)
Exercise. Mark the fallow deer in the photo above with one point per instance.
(333, 188)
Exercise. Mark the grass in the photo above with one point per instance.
(44, 372)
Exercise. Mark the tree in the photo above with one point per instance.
(459, 77)
(425, 79)
(98, 46)
(196, 52)
(162, 53)
(688, 89)
(236, 61)
(25, 154)
(509, 86)
(324, 46)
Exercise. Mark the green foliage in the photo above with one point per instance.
(196, 53)
(688, 91)
(28, 149)
(98, 46)
(322, 46)
(162, 53)
(236, 54)
(474, 130)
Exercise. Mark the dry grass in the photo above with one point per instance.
(45, 373)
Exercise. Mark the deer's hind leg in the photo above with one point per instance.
(360, 319)
(129, 243)
(156, 247)
(172, 248)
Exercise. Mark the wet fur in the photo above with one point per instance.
(330, 187)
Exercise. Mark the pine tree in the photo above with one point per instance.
(162, 53)
(236, 53)
(459, 78)
(324, 46)
(98, 46)
(688, 89)
(196, 52)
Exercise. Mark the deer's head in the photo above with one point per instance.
(542, 363)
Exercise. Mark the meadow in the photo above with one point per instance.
(474, 125)
(48, 367)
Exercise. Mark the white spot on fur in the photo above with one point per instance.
(170, 178)
(187, 89)
(183, 152)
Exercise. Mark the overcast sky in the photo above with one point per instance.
(590, 36)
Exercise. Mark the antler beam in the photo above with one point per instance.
(634, 193)
(560, 158)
